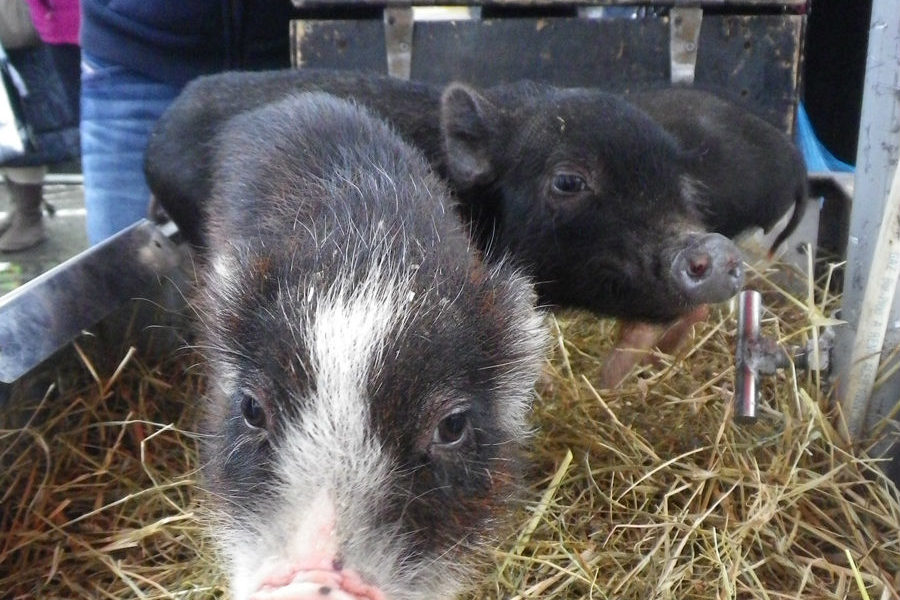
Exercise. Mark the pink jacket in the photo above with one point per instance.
(56, 21)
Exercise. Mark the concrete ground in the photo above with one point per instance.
(65, 231)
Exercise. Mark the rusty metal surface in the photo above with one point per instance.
(754, 58)
(757, 59)
(340, 44)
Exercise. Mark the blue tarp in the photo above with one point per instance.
(817, 156)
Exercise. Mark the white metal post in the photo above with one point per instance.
(876, 159)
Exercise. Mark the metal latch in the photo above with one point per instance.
(756, 355)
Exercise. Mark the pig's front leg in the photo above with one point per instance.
(636, 341)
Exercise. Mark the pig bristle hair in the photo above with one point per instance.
(529, 335)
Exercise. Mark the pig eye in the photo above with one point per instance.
(252, 410)
(569, 183)
(452, 429)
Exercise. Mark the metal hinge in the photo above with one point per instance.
(398, 39)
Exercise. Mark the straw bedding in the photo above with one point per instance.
(646, 491)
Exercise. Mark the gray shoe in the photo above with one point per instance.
(26, 228)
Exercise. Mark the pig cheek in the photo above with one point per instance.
(610, 283)
(240, 468)
(533, 232)
(522, 212)
(452, 502)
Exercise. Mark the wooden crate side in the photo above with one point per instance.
(754, 59)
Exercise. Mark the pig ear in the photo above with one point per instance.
(466, 127)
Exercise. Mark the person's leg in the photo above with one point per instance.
(118, 110)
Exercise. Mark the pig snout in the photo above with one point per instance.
(708, 269)
(315, 570)
(318, 585)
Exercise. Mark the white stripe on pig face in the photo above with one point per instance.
(334, 471)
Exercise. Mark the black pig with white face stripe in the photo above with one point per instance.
(369, 376)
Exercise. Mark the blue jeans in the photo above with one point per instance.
(118, 110)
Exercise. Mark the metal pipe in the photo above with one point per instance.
(746, 381)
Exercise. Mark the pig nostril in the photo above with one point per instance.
(698, 266)
(324, 590)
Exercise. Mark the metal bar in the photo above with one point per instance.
(877, 301)
(746, 379)
(48, 312)
(875, 163)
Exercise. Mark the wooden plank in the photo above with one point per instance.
(754, 58)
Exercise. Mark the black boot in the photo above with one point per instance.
(26, 227)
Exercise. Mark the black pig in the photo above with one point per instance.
(590, 194)
(369, 375)
(582, 189)
(749, 173)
